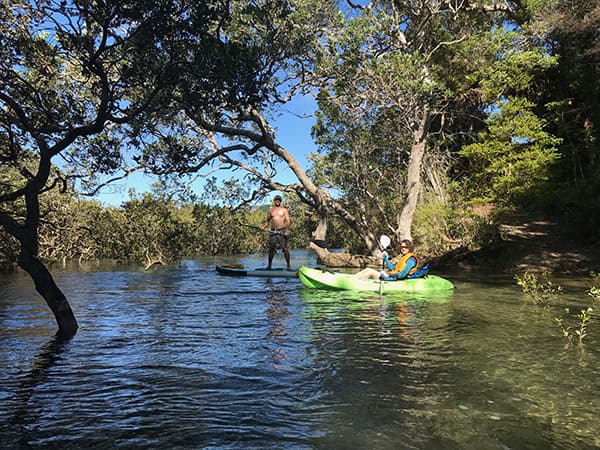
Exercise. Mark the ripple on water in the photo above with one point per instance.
(181, 358)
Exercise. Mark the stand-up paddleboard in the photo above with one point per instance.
(238, 270)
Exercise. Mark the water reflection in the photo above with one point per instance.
(368, 341)
(278, 315)
(41, 365)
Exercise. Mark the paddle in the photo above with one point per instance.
(384, 242)
(260, 229)
(252, 226)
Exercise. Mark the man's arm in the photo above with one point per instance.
(288, 221)
(267, 221)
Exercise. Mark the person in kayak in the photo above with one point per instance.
(404, 266)
(278, 218)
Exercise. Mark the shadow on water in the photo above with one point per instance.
(41, 365)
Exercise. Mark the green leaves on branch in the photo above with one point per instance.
(539, 288)
(572, 325)
(544, 292)
(594, 290)
(514, 157)
(514, 65)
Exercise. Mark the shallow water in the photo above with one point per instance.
(183, 358)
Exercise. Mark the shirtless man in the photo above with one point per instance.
(278, 219)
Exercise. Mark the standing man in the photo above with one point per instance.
(278, 219)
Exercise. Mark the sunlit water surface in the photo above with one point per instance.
(181, 357)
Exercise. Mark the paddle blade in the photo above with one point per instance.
(384, 241)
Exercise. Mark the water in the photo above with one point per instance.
(182, 358)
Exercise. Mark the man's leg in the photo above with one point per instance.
(272, 248)
(286, 253)
(271, 254)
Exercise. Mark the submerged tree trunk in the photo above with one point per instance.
(27, 235)
(48, 289)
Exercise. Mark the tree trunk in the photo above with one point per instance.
(344, 259)
(28, 236)
(319, 235)
(413, 177)
(48, 289)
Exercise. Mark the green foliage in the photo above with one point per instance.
(69, 228)
(594, 290)
(540, 289)
(219, 230)
(514, 73)
(575, 324)
(444, 220)
(514, 158)
(156, 229)
(544, 292)
(571, 90)
(153, 228)
(512, 161)
(567, 97)
(431, 225)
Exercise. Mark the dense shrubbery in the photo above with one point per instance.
(148, 229)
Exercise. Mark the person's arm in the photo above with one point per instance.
(267, 221)
(387, 262)
(288, 222)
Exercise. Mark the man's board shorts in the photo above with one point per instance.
(277, 238)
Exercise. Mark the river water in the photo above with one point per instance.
(183, 358)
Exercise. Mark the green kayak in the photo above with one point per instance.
(325, 279)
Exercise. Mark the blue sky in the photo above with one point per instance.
(293, 127)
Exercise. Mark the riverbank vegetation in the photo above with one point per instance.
(428, 113)
(154, 228)
(159, 228)
(540, 289)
